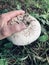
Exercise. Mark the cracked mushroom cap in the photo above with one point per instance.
(28, 35)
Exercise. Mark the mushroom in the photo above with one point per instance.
(28, 35)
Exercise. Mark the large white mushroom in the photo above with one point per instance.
(28, 35)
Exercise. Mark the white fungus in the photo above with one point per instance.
(28, 35)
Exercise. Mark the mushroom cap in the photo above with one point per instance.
(28, 35)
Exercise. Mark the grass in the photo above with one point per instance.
(36, 53)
